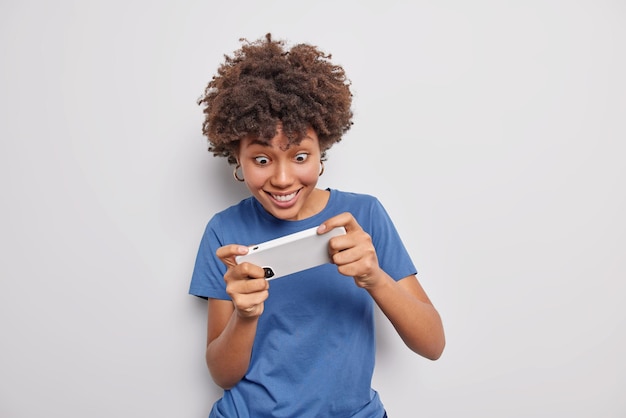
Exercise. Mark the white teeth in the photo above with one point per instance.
(285, 198)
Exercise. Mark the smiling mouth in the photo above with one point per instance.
(284, 197)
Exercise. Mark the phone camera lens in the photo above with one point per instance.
(268, 272)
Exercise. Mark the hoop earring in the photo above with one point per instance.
(235, 173)
(322, 170)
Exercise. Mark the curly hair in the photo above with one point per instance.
(263, 85)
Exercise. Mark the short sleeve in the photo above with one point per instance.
(393, 256)
(207, 280)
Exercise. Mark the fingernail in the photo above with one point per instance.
(321, 228)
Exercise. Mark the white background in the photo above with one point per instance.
(493, 132)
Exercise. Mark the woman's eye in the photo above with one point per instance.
(262, 160)
(302, 157)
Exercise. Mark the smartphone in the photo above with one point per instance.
(291, 253)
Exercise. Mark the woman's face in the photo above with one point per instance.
(283, 177)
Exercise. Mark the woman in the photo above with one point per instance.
(301, 345)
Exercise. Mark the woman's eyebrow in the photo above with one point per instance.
(259, 142)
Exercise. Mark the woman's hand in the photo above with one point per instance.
(353, 253)
(245, 282)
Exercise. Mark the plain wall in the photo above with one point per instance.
(493, 133)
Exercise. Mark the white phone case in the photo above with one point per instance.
(291, 253)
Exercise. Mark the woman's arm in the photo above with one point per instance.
(405, 302)
(231, 324)
(411, 312)
(229, 343)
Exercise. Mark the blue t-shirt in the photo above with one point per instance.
(314, 350)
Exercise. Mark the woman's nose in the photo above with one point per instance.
(282, 176)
